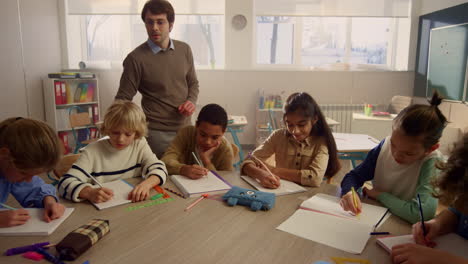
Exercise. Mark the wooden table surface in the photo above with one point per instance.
(211, 232)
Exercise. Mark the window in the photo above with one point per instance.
(104, 32)
(331, 42)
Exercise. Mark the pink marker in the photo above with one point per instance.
(196, 201)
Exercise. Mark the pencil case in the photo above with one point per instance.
(81, 239)
(256, 200)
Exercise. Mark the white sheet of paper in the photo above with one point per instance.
(337, 232)
(452, 243)
(286, 187)
(370, 215)
(121, 190)
(206, 184)
(36, 226)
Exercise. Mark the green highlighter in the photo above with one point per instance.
(157, 196)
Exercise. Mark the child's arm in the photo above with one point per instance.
(312, 175)
(356, 178)
(77, 187)
(32, 194)
(250, 167)
(409, 210)
(13, 217)
(417, 254)
(154, 172)
(363, 172)
(224, 157)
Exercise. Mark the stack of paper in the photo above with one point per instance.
(212, 184)
(36, 226)
(322, 220)
(286, 187)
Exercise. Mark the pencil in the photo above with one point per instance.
(7, 206)
(91, 177)
(422, 216)
(383, 216)
(196, 201)
(197, 160)
(263, 164)
(355, 198)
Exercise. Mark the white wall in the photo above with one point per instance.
(237, 91)
(32, 34)
(429, 6)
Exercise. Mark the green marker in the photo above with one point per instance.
(157, 196)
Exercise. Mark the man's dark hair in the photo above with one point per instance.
(159, 7)
(213, 114)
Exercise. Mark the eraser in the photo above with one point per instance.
(33, 255)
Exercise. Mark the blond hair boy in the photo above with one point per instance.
(124, 154)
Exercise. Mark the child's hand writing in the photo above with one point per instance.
(193, 171)
(52, 209)
(347, 203)
(13, 217)
(432, 229)
(268, 179)
(417, 254)
(97, 195)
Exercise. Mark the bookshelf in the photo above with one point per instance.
(65, 96)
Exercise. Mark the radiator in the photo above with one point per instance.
(343, 113)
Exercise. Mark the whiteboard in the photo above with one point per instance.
(447, 66)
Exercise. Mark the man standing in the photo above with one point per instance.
(162, 70)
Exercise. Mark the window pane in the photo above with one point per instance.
(370, 38)
(275, 40)
(323, 40)
(112, 37)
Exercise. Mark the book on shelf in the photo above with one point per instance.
(320, 216)
(63, 136)
(58, 92)
(86, 75)
(63, 75)
(212, 183)
(90, 93)
(84, 92)
(63, 90)
(95, 113)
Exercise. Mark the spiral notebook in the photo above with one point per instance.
(36, 226)
(212, 183)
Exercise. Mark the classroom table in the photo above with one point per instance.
(354, 146)
(211, 232)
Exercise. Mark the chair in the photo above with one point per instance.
(62, 167)
(398, 103)
(80, 120)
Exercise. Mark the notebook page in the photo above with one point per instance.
(36, 226)
(286, 187)
(370, 215)
(121, 190)
(209, 183)
(337, 232)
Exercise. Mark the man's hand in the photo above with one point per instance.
(186, 108)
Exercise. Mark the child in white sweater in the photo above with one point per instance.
(125, 154)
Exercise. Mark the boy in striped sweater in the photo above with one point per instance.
(125, 154)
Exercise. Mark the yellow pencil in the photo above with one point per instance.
(354, 198)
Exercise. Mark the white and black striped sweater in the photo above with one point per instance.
(106, 164)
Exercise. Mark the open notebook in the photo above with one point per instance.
(212, 184)
(321, 219)
(121, 190)
(452, 243)
(36, 226)
(286, 187)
